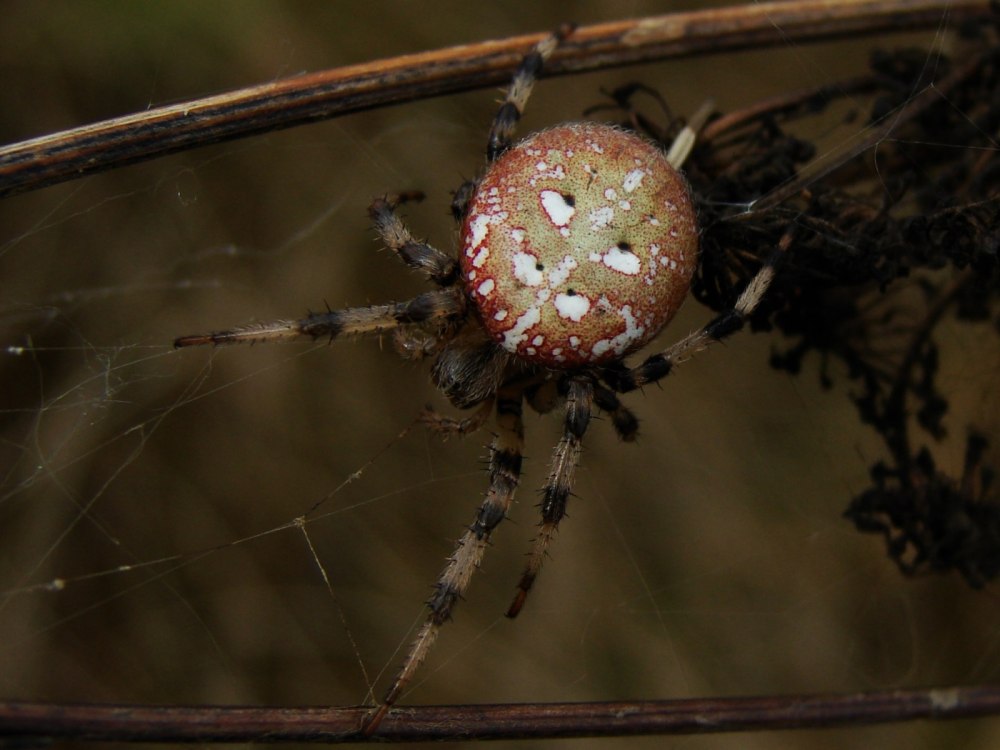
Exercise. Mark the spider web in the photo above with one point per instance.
(259, 525)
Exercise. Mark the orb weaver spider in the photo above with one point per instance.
(578, 246)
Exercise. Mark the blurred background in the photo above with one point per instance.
(147, 546)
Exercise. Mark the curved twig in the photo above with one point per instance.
(316, 96)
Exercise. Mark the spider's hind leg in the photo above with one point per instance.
(623, 379)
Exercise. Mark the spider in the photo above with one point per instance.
(578, 246)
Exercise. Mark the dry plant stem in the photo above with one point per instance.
(27, 721)
(784, 104)
(156, 132)
(818, 169)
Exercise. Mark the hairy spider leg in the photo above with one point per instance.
(626, 424)
(439, 304)
(660, 365)
(461, 198)
(440, 267)
(555, 493)
(505, 121)
(505, 472)
(447, 426)
(502, 131)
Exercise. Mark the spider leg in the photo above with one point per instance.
(502, 130)
(447, 426)
(416, 342)
(505, 470)
(544, 397)
(626, 424)
(555, 494)
(437, 304)
(660, 365)
(439, 266)
(683, 144)
(461, 197)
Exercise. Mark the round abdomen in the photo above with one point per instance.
(579, 245)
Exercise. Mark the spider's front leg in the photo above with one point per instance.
(555, 494)
(505, 471)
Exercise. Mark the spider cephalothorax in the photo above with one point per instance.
(578, 246)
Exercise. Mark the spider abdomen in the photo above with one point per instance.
(578, 245)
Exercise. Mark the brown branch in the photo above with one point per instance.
(788, 103)
(156, 132)
(511, 721)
